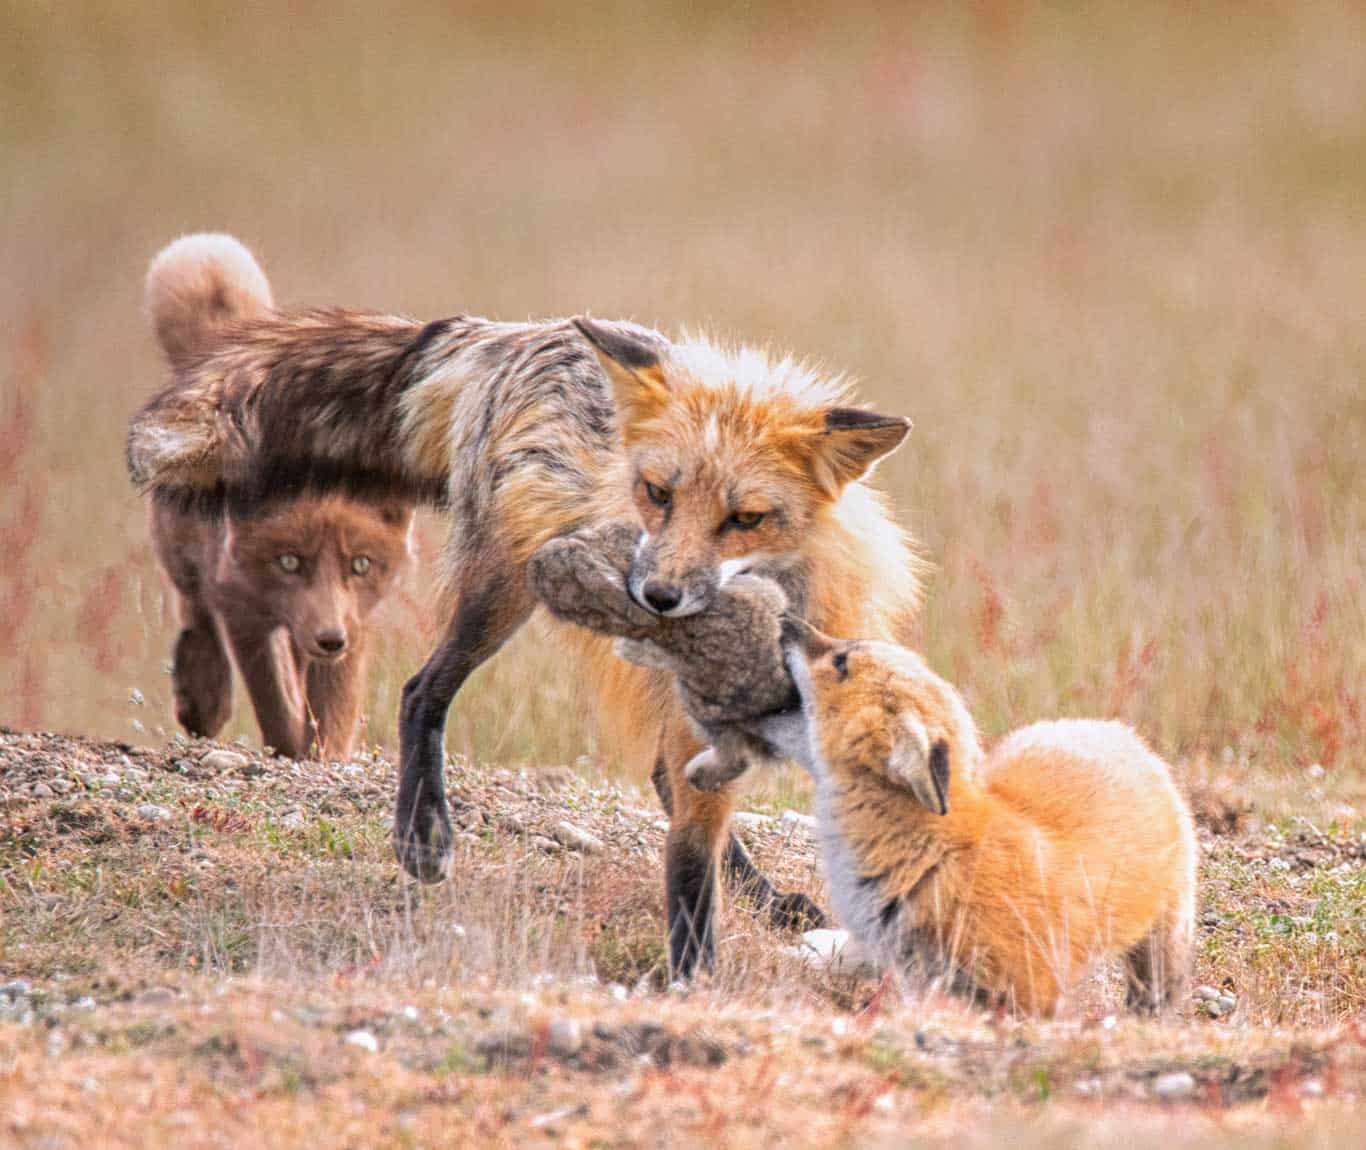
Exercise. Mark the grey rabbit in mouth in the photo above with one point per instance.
(727, 661)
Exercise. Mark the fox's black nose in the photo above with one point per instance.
(662, 596)
(331, 642)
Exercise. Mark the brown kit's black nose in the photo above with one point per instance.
(332, 642)
(661, 596)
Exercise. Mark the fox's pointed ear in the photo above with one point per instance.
(923, 769)
(798, 633)
(850, 442)
(632, 366)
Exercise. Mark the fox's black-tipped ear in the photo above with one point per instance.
(851, 442)
(939, 772)
(921, 769)
(632, 366)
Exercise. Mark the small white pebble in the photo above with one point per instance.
(565, 1037)
(224, 760)
(364, 1039)
(153, 813)
(575, 838)
(1174, 1086)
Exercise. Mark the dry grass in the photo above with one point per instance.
(196, 978)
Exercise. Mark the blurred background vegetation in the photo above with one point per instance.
(1109, 258)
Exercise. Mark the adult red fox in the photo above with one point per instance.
(1005, 873)
(730, 459)
(288, 589)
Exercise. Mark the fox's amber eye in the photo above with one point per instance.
(289, 562)
(746, 520)
(360, 564)
(659, 496)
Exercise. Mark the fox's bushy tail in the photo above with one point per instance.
(196, 287)
(266, 404)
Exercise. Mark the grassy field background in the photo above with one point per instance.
(1109, 259)
(1110, 262)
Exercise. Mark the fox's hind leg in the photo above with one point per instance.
(786, 910)
(200, 672)
(1156, 968)
(492, 602)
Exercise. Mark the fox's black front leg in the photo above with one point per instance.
(784, 909)
(690, 887)
(487, 613)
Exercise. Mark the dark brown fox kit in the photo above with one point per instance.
(289, 592)
(288, 587)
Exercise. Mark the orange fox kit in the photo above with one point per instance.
(730, 460)
(1006, 873)
(288, 588)
(289, 592)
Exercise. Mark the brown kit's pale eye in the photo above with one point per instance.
(289, 563)
(360, 564)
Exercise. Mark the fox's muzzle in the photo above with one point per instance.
(671, 595)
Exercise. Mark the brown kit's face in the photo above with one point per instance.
(320, 567)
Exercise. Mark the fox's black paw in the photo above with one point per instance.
(795, 911)
(424, 843)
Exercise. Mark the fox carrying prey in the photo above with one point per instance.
(730, 460)
(1005, 874)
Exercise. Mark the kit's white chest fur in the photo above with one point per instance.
(856, 897)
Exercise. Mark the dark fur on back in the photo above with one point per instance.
(303, 403)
